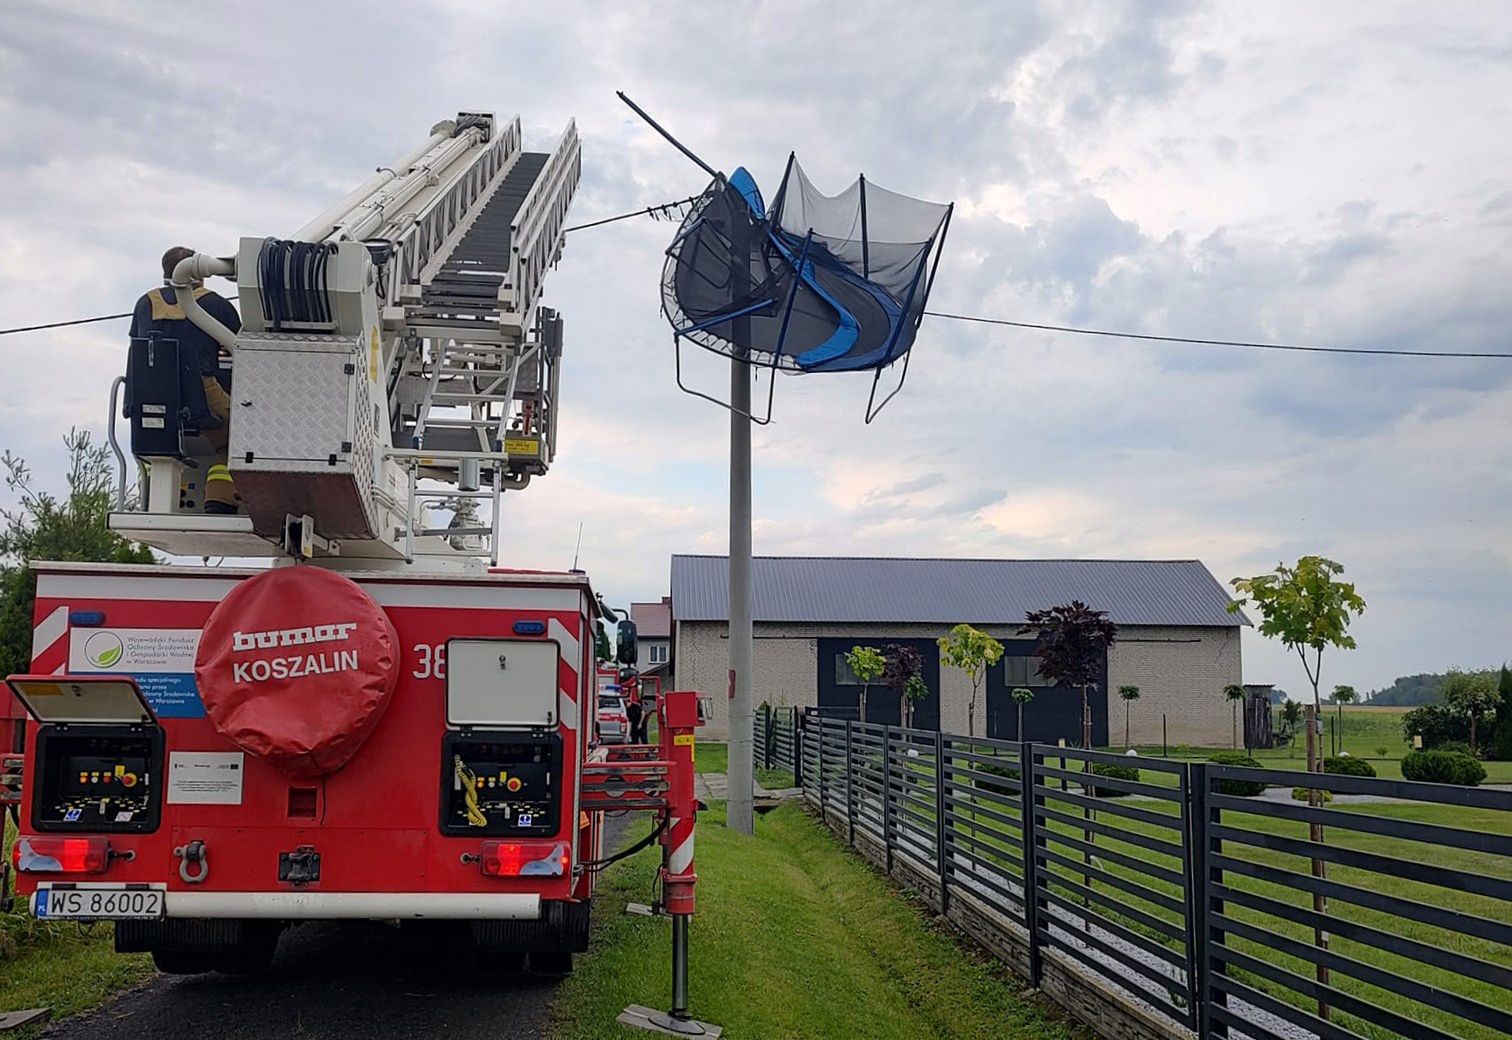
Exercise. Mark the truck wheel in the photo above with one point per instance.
(182, 962)
(259, 942)
(551, 962)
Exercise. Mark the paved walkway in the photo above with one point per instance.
(715, 787)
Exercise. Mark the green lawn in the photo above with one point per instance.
(62, 966)
(793, 939)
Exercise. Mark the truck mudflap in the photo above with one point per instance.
(562, 927)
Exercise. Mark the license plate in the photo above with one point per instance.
(98, 902)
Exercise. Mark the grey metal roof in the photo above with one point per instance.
(979, 592)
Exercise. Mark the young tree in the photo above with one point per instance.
(1343, 695)
(1021, 696)
(1235, 695)
(1471, 694)
(973, 652)
(1127, 694)
(1291, 714)
(42, 526)
(866, 662)
(1073, 643)
(903, 666)
(1308, 608)
(914, 690)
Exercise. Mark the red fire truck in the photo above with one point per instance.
(368, 717)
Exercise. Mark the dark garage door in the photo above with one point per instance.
(1054, 713)
(840, 695)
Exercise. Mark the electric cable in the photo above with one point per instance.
(1112, 334)
(665, 210)
(300, 272)
(595, 864)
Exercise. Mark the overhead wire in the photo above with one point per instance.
(668, 209)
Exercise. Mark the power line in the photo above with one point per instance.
(665, 209)
(1111, 334)
(63, 324)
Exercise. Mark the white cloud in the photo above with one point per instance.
(1332, 174)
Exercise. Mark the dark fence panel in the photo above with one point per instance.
(1220, 911)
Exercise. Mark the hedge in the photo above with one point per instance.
(1344, 765)
(1442, 767)
(1238, 788)
(1115, 772)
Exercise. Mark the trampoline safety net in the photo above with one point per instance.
(813, 283)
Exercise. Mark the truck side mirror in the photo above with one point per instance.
(624, 635)
(601, 649)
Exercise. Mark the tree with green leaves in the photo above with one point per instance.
(1291, 714)
(1235, 695)
(42, 526)
(1073, 642)
(1127, 694)
(1309, 608)
(1342, 695)
(973, 652)
(1473, 695)
(1022, 695)
(867, 664)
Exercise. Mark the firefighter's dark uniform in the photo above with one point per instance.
(158, 311)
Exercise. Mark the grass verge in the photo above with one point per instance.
(794, 938)
(67, 967)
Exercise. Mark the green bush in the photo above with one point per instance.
(1456, 747)
(1442, 767)
(1344, 765)
(1238, 788)
(1113, 771)
(1009, 785)
(1299, 794)
(1436, 724)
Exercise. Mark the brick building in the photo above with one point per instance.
(1177, 642)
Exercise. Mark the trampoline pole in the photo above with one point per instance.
(741, 811)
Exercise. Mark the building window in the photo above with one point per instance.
(843, 674)
(1023, 671)
(656, 653)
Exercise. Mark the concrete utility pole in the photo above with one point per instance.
(740, 811)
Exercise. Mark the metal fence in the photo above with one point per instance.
(775, 733)
(1224, 913)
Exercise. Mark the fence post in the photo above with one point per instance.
(850, 787)
(887, 824)
(819, 729)
(942, 857)
(1030, 838)
(1201, 877)
(797, 750)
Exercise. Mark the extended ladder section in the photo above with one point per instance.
(475, 401)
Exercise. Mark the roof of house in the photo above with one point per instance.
(946, 591)
(652, 620)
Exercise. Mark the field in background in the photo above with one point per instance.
(1372, 733)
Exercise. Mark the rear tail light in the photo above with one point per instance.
(523, 859)
(46, 855)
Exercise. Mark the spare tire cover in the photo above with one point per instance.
(297, 666)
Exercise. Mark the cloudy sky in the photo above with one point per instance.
(1322, 173)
